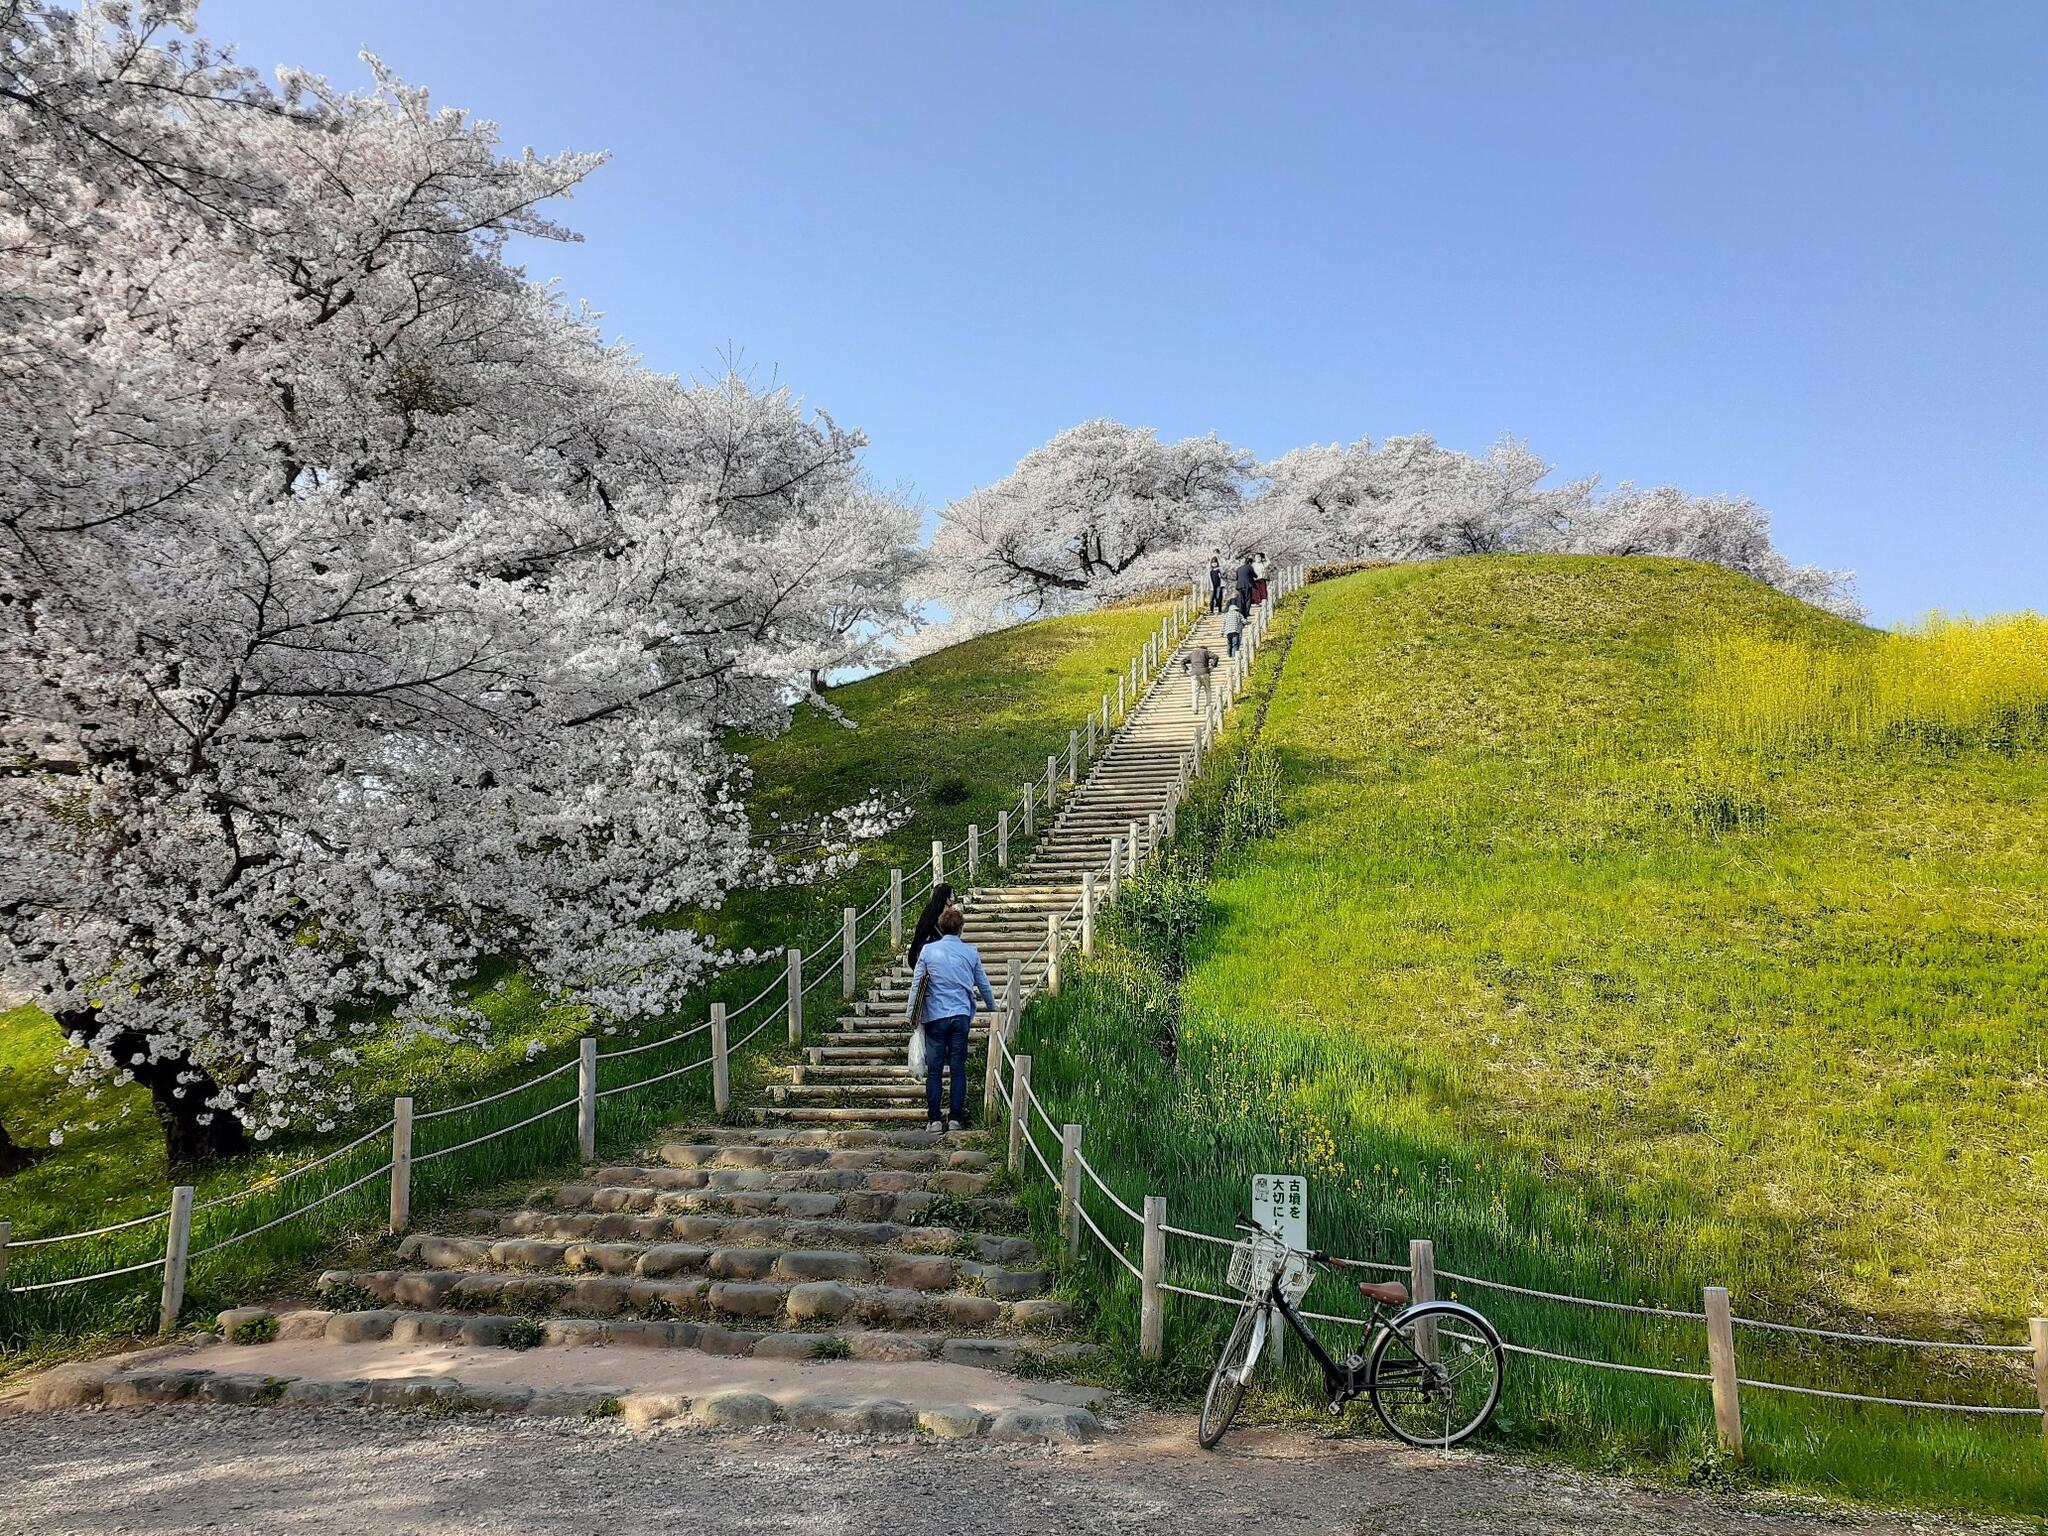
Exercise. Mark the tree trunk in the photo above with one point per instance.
(186, 1140)
(817, 680)
(13, 1156)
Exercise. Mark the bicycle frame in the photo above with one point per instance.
(1340, 1381)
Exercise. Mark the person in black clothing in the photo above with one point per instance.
(1247, 579)
(927, 927)
(1216, 581)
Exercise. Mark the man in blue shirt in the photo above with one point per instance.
(948, 974)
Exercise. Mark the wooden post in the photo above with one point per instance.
(1073, 757)
(1020, 1090)
(991, 1071)
(849, 949)
(1721, 1366)
(1131, 850)
(177, 1245)
(721, 1065)
(796, 994)
(1116, 864)
(1070, 1187)
(938, 862)
(1422, 1287)
(586, 1097)
(896, 908)
(6, 1231)
(1013, 997)
(1052, 989)
(1152, 1276)
(401, 1164)
(1052, 781)
(2038, 1327)
(1087, 912)
(1152, 824)
(973, 855)
(1002, 839)
(1030, 795)
(1091, 736)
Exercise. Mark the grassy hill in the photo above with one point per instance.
(1548, 965)
(955, 734)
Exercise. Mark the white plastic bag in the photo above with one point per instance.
(916, 1063)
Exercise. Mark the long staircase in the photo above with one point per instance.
(832, 1249)
(855, 1075)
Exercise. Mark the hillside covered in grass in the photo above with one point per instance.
(953, 734)
(1559, 959)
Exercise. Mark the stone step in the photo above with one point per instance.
(869, 1265)
(813, 1154)
(627, 1198)
(787, 1231)
(844, 1338)
(846, 1093)
(783, 1114)
(948, 1181)
(698, 1297)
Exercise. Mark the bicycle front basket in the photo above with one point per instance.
(1253, 1264)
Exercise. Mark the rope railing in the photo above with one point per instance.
(403, 1125)
(283, 1178)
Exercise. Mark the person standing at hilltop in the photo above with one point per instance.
(949, 973)
(1215, 581)
(1246, 580)
(1200, 662)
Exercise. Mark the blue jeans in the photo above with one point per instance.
(945, 1046)
(1234, 639)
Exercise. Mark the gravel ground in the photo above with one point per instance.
(382, 1473)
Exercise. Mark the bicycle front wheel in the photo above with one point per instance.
(1227, 1382)
(1435, 1378)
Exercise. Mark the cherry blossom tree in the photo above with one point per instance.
(363, 612)
(1101, 511)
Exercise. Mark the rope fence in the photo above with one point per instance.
(999, 844)
(1024, 1105)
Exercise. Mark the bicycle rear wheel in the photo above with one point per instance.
(1436, 1397)
(1227, 1383)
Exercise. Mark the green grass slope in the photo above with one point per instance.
(955, 734)
(1534, 970)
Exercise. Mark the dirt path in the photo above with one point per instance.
(383, 1473)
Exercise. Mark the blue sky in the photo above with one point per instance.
(1794, 250)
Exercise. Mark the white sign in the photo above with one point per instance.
(1280, 1205)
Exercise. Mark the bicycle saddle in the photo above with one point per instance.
(1390, 1293)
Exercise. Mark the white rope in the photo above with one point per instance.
(105, 1274)
(648, 1082)
(273, 1183)
(517, 1125)
(1877, 1338)
(492, 1098)
(278, 1221)
(1605, 1365)
(66, 1237)
(1089, 1169)
(1183, 1290)
(1888, 1402)
(871, 906)
(1200, 1237)
(1081, 1210)
(634, 1050)
(1578, 1301)
(746, 1039)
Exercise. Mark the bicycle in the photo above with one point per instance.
(1432, 1370)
